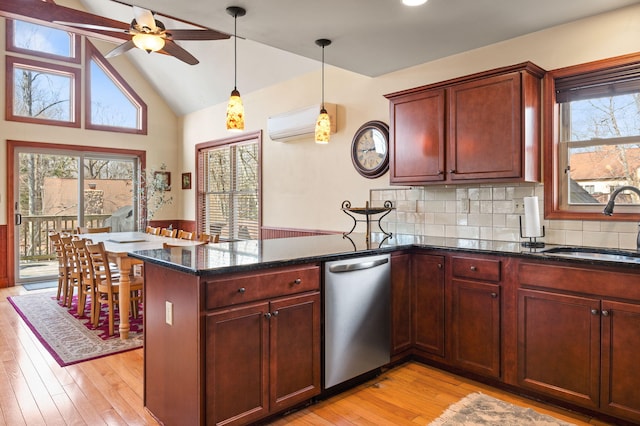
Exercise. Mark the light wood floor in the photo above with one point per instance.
(34, 390)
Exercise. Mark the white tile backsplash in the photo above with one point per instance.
(488, 212)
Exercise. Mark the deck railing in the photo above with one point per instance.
(34, 233)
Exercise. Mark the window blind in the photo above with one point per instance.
(228, 182)
(617, 80)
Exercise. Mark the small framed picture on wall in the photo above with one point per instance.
(186, 181)
(162, 180)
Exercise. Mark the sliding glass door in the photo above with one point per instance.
(59, 191)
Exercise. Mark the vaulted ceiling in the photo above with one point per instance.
(370, 37)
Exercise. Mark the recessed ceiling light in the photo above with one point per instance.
(413, 2)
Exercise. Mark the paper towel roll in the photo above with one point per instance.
(531, 217)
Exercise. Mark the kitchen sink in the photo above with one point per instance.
(591, 253)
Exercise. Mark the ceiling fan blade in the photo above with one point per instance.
(89, 26)
(197, 35)
(120, 49)
(174, 50)
(144, 18)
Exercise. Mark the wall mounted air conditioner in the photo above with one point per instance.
(299, 124)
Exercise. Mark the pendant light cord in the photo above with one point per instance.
(235, 51)
(322, 77)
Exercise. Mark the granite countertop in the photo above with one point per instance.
(247, 255)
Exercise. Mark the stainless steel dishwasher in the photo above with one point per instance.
(357, 295)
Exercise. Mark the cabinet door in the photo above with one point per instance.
(428, 279)
(417, 136)
(620, 373)
(237, 365)
(485, 140)
(400, 303)
(294, 350)
(559, 346)
(475, 326)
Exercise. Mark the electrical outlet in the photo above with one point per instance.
(168, 312)
(518, 206)
(463, 205)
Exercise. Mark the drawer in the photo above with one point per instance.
(476, 268)
(248, 287)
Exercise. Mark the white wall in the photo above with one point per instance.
(304, 184)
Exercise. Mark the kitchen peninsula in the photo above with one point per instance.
(233, 330)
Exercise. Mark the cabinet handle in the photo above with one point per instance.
(474, 268)
(439, 265)
(605, 313)
(595, 312)
(452, 171)
(242, 290)
(494, 295)
(440, 172)
(297, 281)
(267, 315)
(274, 313)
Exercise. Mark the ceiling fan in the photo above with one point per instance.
(149, 34)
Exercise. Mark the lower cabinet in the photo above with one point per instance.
(474, 314)
(261, 358)
(475, 326)
(575, 342)
(401, 296)
(428, 276)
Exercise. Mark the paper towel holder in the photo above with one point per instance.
(532, 243)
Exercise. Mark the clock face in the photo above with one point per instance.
(370, 149)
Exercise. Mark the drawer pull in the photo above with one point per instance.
(297, 281)
(242, 290)
(439, 265)
(474, 268)
(594, 312)
(605, 313)
(494, 295)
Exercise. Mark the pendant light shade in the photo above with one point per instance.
(235, 109)
(323, 124)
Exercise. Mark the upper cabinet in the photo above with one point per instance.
(480, 128)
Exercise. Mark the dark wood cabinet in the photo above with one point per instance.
(474, 314)
(401, 296)
(417, 126)
(428, 276)
(559, 340)
(241, 346)
(262, 358)
(479, 128)
(575, 341)
(475, 327)
(619, 394)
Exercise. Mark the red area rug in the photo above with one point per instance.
(71, 339)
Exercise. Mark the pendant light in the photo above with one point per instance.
(323, 124)
(235, 109)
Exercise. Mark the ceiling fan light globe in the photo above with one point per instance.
(235, 112)
(148, 42)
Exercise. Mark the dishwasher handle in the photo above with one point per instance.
(349, 267)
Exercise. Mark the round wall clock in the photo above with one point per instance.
(370, 149)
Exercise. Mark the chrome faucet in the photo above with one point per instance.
(608, 210)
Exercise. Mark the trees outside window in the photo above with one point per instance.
(228, 188)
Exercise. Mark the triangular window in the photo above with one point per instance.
(111, 104)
